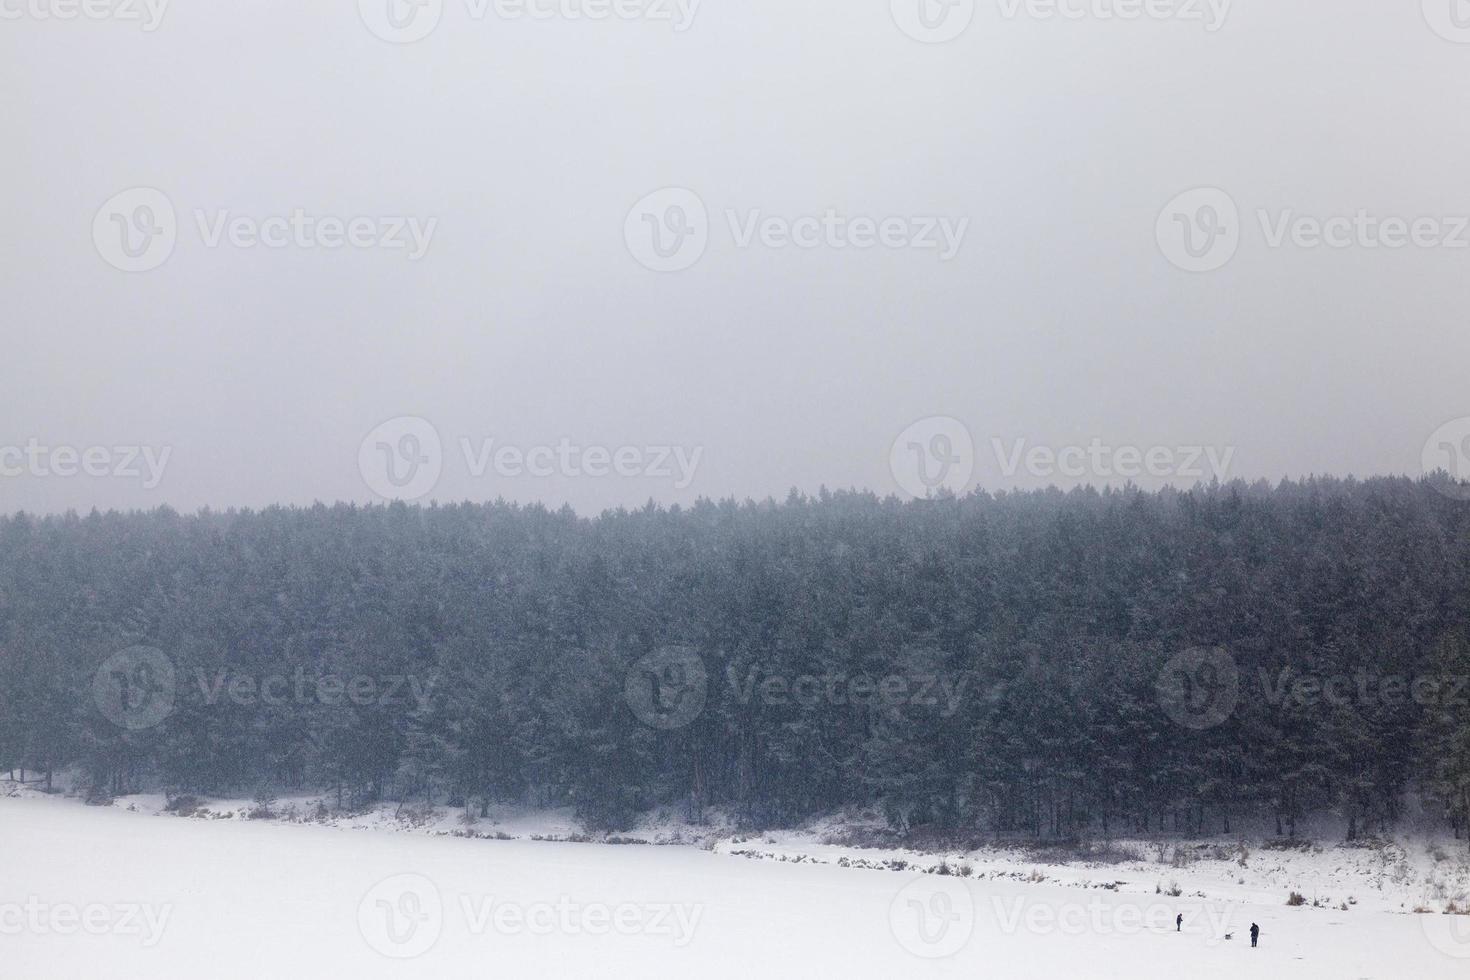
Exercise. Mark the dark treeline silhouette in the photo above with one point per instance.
(492, 647)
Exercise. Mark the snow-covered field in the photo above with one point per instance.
(104, 891)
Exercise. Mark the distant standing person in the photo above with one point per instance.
(1179, 922)
(1255, 934)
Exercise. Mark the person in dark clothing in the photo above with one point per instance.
(1255, 934)
(1179, 922)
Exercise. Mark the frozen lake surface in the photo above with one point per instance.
(96, 891)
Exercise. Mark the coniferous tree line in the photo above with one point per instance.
(477, 653)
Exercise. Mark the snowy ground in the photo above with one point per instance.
(89, 889)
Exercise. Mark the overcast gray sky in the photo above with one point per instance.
(997, 266)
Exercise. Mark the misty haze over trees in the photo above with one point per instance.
(1023, 636)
